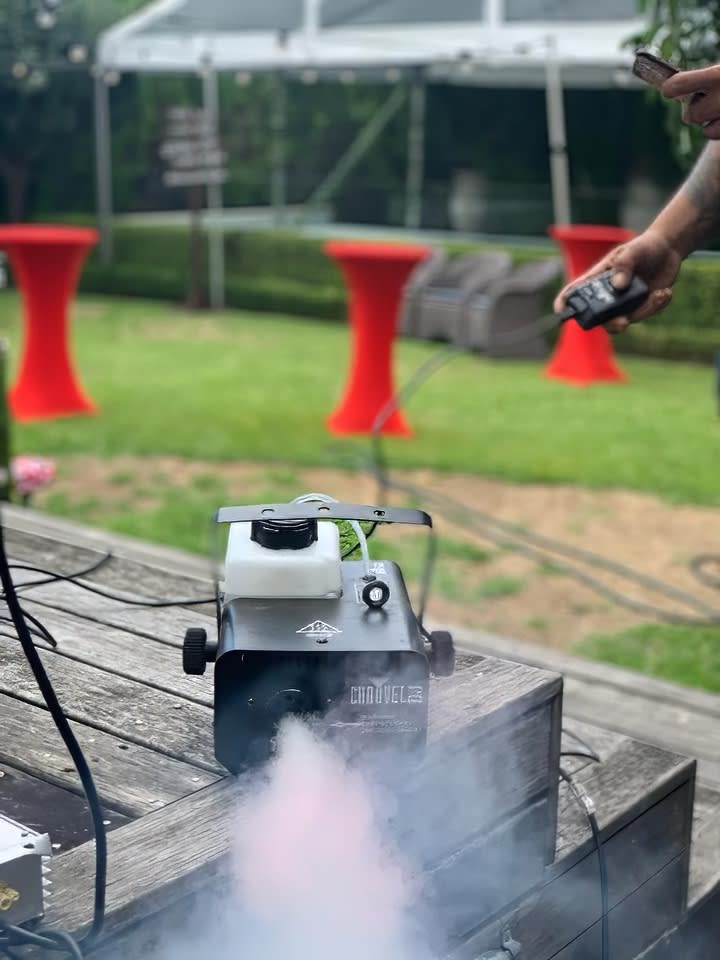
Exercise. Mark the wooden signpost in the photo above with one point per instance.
(194, 160)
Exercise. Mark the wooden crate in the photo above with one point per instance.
(644, 799)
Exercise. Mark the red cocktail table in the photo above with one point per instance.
(583, 356)
(375, 274)
(46, 262)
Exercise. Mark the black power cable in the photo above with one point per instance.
(41, 631)
(589, 751)
(66, 732)
(585, 802)
(92, 588)
(581, 754)
(56, 940)
(84, 572)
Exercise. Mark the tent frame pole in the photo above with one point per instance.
(103, 166)
(416, 151)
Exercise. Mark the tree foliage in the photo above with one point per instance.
(686, 32)
(45, 97)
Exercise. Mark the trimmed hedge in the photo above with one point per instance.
(688, 344)
(274, 271)
(280, 271)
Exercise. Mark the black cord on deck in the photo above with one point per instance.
(56, 940)
(588, 807)
(66, 732)
(92, 588)
(52, 577)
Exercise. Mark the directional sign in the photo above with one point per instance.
(194, 156)
(194, 178)
(180, 130)
(191, 150)
(172, 148)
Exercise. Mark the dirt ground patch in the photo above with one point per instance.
(485, 586)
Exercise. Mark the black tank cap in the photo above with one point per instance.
(284, 534)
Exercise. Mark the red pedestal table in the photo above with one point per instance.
(46, 262)
(375, 274)
(583, 356)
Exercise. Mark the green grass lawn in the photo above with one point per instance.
(250, 387)
(689, 655)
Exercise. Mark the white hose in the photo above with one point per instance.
(355, 524)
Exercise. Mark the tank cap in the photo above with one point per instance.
(284, 534)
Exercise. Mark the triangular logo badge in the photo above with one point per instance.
(318, 629)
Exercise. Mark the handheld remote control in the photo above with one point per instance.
(596, 301)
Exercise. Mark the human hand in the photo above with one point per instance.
(649, 256)
(700, 92)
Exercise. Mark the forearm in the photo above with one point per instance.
(692, 217)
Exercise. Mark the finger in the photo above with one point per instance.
(657, 301)
(622, 278)
(711, 131)
(623, 265)
(617, 325)
(560, 300)
(702, 109)
(690, 81)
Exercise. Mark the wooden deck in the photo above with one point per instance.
(147, 731)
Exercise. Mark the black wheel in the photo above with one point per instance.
(442, 653)
(376, 594)
(195, 651)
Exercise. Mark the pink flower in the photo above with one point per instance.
(31, 473)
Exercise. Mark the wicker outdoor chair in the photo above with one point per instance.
(511, 303)
(420, 278)
(442, 300)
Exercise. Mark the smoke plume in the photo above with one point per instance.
(316, 875)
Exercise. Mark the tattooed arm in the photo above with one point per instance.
(692, 217)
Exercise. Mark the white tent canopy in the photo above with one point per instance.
(547, 44)
(498, 42)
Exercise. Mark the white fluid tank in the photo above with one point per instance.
(256, 571)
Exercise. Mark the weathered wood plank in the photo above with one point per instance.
(136, 564)
(171, 865)
(117, 651)
(633, 778)
(668, 715)
(638, 685)
(171, 726)
(668, 726)
(495, 689)
(47, 808)
(164, 624)
(129, 777)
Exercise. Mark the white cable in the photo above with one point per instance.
(355, 524)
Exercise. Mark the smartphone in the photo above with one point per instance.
(653, 70)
